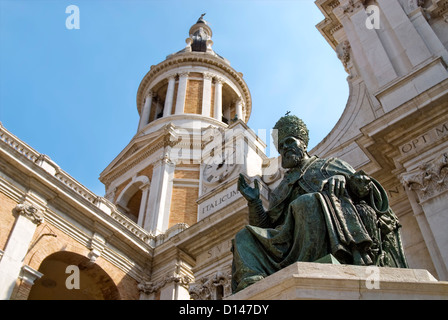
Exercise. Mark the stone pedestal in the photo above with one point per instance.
(304, 280)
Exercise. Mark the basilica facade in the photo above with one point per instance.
(164, 228)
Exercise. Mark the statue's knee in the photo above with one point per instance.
(241, 236)
(306, 208)
(305, 201)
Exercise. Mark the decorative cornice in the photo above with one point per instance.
(429, 179)
(69, 186)
(128, 162)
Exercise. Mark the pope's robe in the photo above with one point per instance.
(305, 223)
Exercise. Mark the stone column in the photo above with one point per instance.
(169, 96)
(181, 93)
(218, 98)
(207, 94)
(144, 118)
(28, 218)
(143, 204)
(159, 200)
(239, 108)
(429, 185)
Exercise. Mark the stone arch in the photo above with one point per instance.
(71, 276)
(132, 197)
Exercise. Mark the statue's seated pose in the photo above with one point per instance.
(321, 207)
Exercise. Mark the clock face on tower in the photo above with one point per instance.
(219, 168)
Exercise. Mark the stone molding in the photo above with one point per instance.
(429, 179)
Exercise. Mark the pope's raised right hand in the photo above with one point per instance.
(251, 194)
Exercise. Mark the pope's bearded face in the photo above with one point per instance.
(292, 151)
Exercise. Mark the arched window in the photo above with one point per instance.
(132, 200)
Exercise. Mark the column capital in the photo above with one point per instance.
(149, 287)
(145, 186)
(238, 100)
(219, 80)
(208, 75)
(184, 74)
(30, 275)
(29, 211)
(428, 180)
(349, 6)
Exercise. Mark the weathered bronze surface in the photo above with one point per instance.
(321, 207)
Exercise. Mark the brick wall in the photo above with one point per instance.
(183, 205)
(193, 99)
(186, 174)
(7, 219)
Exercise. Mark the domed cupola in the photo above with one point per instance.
(195, 83)
(201, 36)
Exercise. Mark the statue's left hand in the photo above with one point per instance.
(336, 185)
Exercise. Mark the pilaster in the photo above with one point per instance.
(28, 218)
(159, 200)
(428, 188)
(369, 53)
(404, 32)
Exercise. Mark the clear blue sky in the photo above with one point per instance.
(71, 94)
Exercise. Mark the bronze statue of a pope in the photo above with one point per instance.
(321, 207)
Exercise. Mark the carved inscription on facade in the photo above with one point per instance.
(215, 252)
(218, 201)
(429, 137)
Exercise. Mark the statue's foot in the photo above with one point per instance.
(248, 281)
